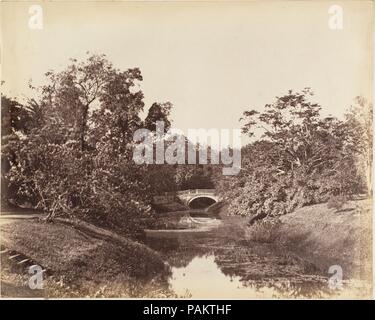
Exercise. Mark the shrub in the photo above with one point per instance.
(265, 230)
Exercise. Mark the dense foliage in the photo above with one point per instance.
(300, 157)
(69, 152)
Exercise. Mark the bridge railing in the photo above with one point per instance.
(195, 191)
(190, 191)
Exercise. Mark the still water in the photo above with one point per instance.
(217, 262)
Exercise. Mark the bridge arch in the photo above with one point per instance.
(201, 201)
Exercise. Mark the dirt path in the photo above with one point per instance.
(9, 217)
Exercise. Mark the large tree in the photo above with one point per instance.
(359, 125)
(71, 94)
(294, 125)
(297, 158)
(76, 158)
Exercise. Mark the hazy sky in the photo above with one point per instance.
(211, 60)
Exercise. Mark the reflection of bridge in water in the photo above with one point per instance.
(187, 197)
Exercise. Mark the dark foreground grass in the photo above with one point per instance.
(84, 260)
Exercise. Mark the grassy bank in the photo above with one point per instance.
(327, 236)
(315, 237)
(82, 260)
(324, 236)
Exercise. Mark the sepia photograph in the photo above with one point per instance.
(183, 150)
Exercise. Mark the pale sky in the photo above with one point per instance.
(211, 60)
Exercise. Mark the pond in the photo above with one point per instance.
(216, 261)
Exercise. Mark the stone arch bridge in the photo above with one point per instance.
(187, 197)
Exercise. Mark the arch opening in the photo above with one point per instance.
(201, 202)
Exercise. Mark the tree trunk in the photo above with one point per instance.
(83, 127)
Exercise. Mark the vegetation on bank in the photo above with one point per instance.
(329, 236)
(300, 157)
(68, 150)
(322, 235)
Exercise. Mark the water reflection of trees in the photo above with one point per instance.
(257, 267)
(181, 250)
(292, 288)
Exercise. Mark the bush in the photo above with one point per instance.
(265, 230)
